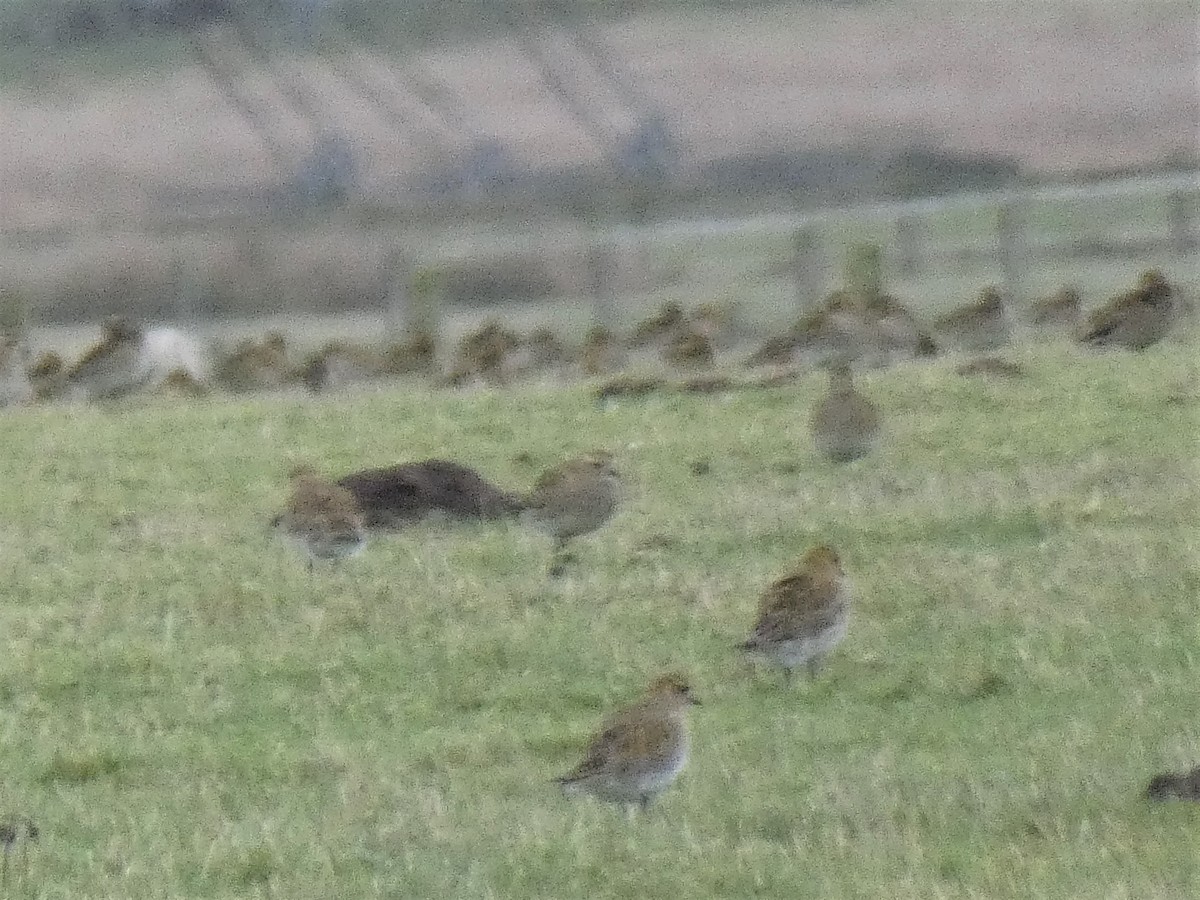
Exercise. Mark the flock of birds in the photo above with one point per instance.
(869, 331)
(640, 750)
(802, 616)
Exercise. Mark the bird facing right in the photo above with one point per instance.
(322, 519)
(113, 367)
(1059, 310)
(845, 424)
(1134, 320)
(574, 498)
(804, 615)
(640, 750)
(981, 325)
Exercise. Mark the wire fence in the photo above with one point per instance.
(572, 274)
(326, 231)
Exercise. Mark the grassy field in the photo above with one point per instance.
(187, 714)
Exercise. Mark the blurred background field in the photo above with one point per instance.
(229, 166)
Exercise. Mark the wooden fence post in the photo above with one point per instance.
(188, 292)
(397, 294)
(1012, 249)
(862, 272)
(14, 315)
(808, 267)
(1179, 218)
(414, 301)
(601, 270)
(908, 245)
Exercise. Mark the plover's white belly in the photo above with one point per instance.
(798, 651)
(642, 778)
(654, 781)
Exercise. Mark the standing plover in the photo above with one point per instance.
(574, 498)
(803, 615)
(639, 750)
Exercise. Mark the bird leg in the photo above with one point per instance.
(8, 837)
(639, 806)
(31, 834)
(814, 666)
(559, 558)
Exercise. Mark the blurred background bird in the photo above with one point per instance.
(1136, 319)
(574, 498)
(845, 425)
(395, 496)
(113, 367)
(1059, 310)
(640, 750)
(982, 325)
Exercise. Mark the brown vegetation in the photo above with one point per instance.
(991, 366)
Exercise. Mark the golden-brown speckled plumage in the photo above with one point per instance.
(575, 497)
(321, 518)
(803, 615)
(639, 750)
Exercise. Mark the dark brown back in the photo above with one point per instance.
(1175, 786)
(395, 496)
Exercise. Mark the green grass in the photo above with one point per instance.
(186, 714)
